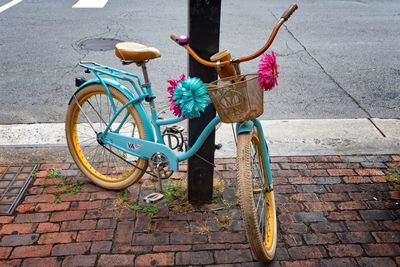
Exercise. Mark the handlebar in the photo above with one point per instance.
(286, 15)
(184, 41)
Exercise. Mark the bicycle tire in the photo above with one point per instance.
(262, 243)
(118, 173)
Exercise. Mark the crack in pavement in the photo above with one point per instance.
(369, 117)
(288, 54)
(325, 72)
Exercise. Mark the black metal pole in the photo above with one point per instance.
(204, 24)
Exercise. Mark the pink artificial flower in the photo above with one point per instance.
(176, 110)
(268, 72)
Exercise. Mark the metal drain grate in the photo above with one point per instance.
(14, 181)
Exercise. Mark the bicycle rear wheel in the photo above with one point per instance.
(89, 112)
(257, 202)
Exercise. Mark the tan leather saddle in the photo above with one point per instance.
(135, 52)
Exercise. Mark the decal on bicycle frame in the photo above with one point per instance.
(133, 146)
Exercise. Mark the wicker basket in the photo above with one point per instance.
(238, 98)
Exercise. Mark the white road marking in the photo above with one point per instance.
(90, 4)
(8, 5)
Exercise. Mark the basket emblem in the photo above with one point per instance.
(231, 102)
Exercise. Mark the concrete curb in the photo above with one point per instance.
(285, 137)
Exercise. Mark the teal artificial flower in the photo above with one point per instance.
(191, 95)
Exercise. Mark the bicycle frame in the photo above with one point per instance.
(145, 148)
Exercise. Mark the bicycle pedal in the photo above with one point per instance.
(153, 197)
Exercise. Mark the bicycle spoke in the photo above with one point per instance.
(95, 152)
(84, 133)
(84, 114)
(262, 211)
(89, 144)
(98, 104)
(260, 175)
(263, 225)
(259, 200)
(109, 112)
(108, 161)
(90, 104)
(116, 162)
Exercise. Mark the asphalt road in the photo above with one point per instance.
(338, 59)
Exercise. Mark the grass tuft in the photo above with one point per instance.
(204, 230)
(224, 221)
(150, 210)
(54, 173)
(57, 199)
(124, 202)
(218, 185)
(393, 178)
(176, 196)
(34, 173)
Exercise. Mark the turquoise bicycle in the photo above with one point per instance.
(113, 139)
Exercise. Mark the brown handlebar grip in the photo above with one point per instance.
(286, 15)
(174, 38)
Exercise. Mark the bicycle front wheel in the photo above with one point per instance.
(89, 113)
(257, 202)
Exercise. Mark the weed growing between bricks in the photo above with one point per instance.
(332, 211)
(176, 200)
(66, 186)
(123, 201)
(393, 178)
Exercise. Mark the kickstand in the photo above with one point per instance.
(159, 178)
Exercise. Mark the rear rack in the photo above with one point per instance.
(102, 70)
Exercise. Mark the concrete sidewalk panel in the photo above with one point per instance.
(321, 137)
(329, 137)
(32, 134)
(390, 127)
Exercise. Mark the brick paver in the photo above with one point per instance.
(332, 211)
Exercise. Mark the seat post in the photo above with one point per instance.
(145, 74)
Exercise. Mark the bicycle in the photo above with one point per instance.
(112, 139)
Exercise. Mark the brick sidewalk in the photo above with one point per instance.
(332, 211)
